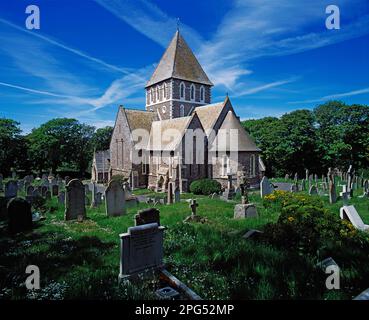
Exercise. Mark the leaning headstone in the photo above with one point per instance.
(313, 190)
(349, 213)
(75, 201)
(265, 187)
(19, 215)
(11, 189)
(147, 216)
(115, 199)
(141, 249)
(252, 234)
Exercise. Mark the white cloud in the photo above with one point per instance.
(334, 96)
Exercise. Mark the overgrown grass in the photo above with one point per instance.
(81, 260)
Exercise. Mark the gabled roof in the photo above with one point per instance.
(233, 137)
(209, 114)
(101, 160)
(179, 62)
(166, 135)
(139, 119)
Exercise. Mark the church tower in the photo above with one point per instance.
(178, 84)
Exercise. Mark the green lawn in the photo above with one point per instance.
(81, 260)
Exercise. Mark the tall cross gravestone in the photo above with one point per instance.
(115, 199)
(75, 201)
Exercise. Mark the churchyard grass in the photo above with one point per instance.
(81, 260)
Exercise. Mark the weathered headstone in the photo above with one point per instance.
(11, 189)
(20, 215)
(141, 249)
(303, 185)
(55, 190)
(332, 187)
(75, 200)
(61, 198)
(115, 199)
(345, 194)
(147, 216)
(177, 195)
(349, 213)
(30, 190)
(245, 210)
(313, 190)
(170, 193)
(265, 187)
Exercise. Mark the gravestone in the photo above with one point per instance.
(11, 189)
(294, 188)
(170, 193)
(19, 215)
(245, 210)
(115, 199)
(44, 189)
(303, 185)
(93, 197)
(177, 195)
(345, 194)
(35, 193)
(306, 174)
(75, 201)
(48, 195)
(55, 190)
(61, 198)
(313, 190)
(29, 191)
(229, 191)
(332, 187)
(141, 249)
(349, 213)
(147, 216)
(265, 187)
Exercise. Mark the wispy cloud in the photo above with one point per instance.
(77, 52)
(263, 87)
(334, 96)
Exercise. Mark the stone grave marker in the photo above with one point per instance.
(177, 195)
(48, 195)
(265, 187)
(55, 190)
(11, 189)
(349, 213)
(115, 199)
(313, 190)
(19, 215)
(44, 189)
(141, 249)
(170, 193)
(75, 201)
(245, 210)
(29, 191)
(61, 198)
(146, 216)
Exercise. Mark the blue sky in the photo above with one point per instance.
(90, 56)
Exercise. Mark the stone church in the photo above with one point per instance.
(178, 101)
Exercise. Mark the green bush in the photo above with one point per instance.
(205, 186)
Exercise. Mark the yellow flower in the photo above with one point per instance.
(290, 219)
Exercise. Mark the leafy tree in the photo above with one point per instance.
(101, 138)
(61, 141)
(11, 145)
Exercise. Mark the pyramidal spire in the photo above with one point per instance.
(179, 62)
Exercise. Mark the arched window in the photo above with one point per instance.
(165, 91)
(202, 94)
(182, 90)
(181, 111)
(252, 166)
(192, 96)
(157, 93)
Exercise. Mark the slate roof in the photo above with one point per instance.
(226, 138)
(209, 114)
(139, 119)
(101, 160)
(171, 139)
(179, 62)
